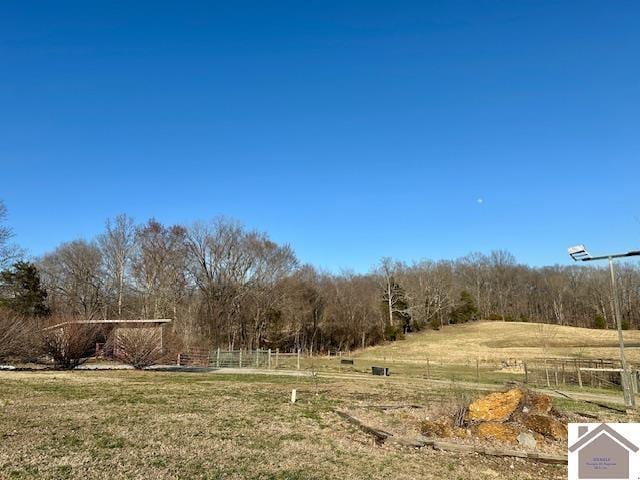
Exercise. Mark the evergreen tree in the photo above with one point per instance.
(466, 310)
(21, 290)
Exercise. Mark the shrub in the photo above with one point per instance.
(494, 316)
(625, 324)
(138, 347)
(69, 343)
(18, 337)
(435, 323)
(393, 332)
(599, 322)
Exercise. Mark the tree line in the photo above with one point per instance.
(224, 285)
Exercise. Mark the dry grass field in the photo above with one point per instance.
(502, 340)
(178, 425)
(154, 425)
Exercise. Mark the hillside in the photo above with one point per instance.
(502, 340)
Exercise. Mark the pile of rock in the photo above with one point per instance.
(516, 416)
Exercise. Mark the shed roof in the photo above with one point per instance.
(149, 321)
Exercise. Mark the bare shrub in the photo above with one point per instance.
(11, 336)
(138, 347)
(18, 337)
(68, 343)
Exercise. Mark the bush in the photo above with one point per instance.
(494, 316)
(599, 322)
(18, 337)
(69, 344)
(435, 323)
(625, 324)
(392, 333)
(138, 347)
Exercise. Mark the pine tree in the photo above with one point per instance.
(21, 290)
(466, 310)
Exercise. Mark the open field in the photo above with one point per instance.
(502, 340)
(177, 425)
(126, 424)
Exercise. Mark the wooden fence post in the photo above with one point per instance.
(269, 361)
(240, 358)
(546, 371)
(178, 360)
(579, 378)
(298, 358)
(277, 356)
(218, 358)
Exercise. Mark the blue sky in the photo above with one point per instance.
(351, 130)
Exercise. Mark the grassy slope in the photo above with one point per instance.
(502, 340)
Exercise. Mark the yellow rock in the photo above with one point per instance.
(503, 432)
(440, 429)
(538, 404)
(495, 407)
(547, 426)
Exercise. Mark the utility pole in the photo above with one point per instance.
(580, 253)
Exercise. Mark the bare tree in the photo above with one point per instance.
(8, 252)
(116, 244)
(74, 278)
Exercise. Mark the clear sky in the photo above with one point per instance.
(351, 130)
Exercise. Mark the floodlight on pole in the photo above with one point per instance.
(579, 253)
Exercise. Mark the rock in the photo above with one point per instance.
(495, 407)
(503, 432)
(430, 428)
(538, 404)
(526, 440)
(547, 426)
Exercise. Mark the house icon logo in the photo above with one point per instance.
(604, 451)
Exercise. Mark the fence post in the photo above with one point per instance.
(178, 360)
(546, 372)
(257, 357)
(526, 372)
(579, 378)
(218, 358)
(298, 358)
(277, 355)
(269, 360)
(240, 361)
(555, 373)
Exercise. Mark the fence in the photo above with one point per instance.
(539, 372)
(239, 359)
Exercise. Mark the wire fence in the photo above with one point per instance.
(548, 372)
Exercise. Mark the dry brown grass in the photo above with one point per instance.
(503, 340)
(153, 425)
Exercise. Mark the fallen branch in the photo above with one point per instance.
(391, 407)
(496, 452)
(381, 436)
